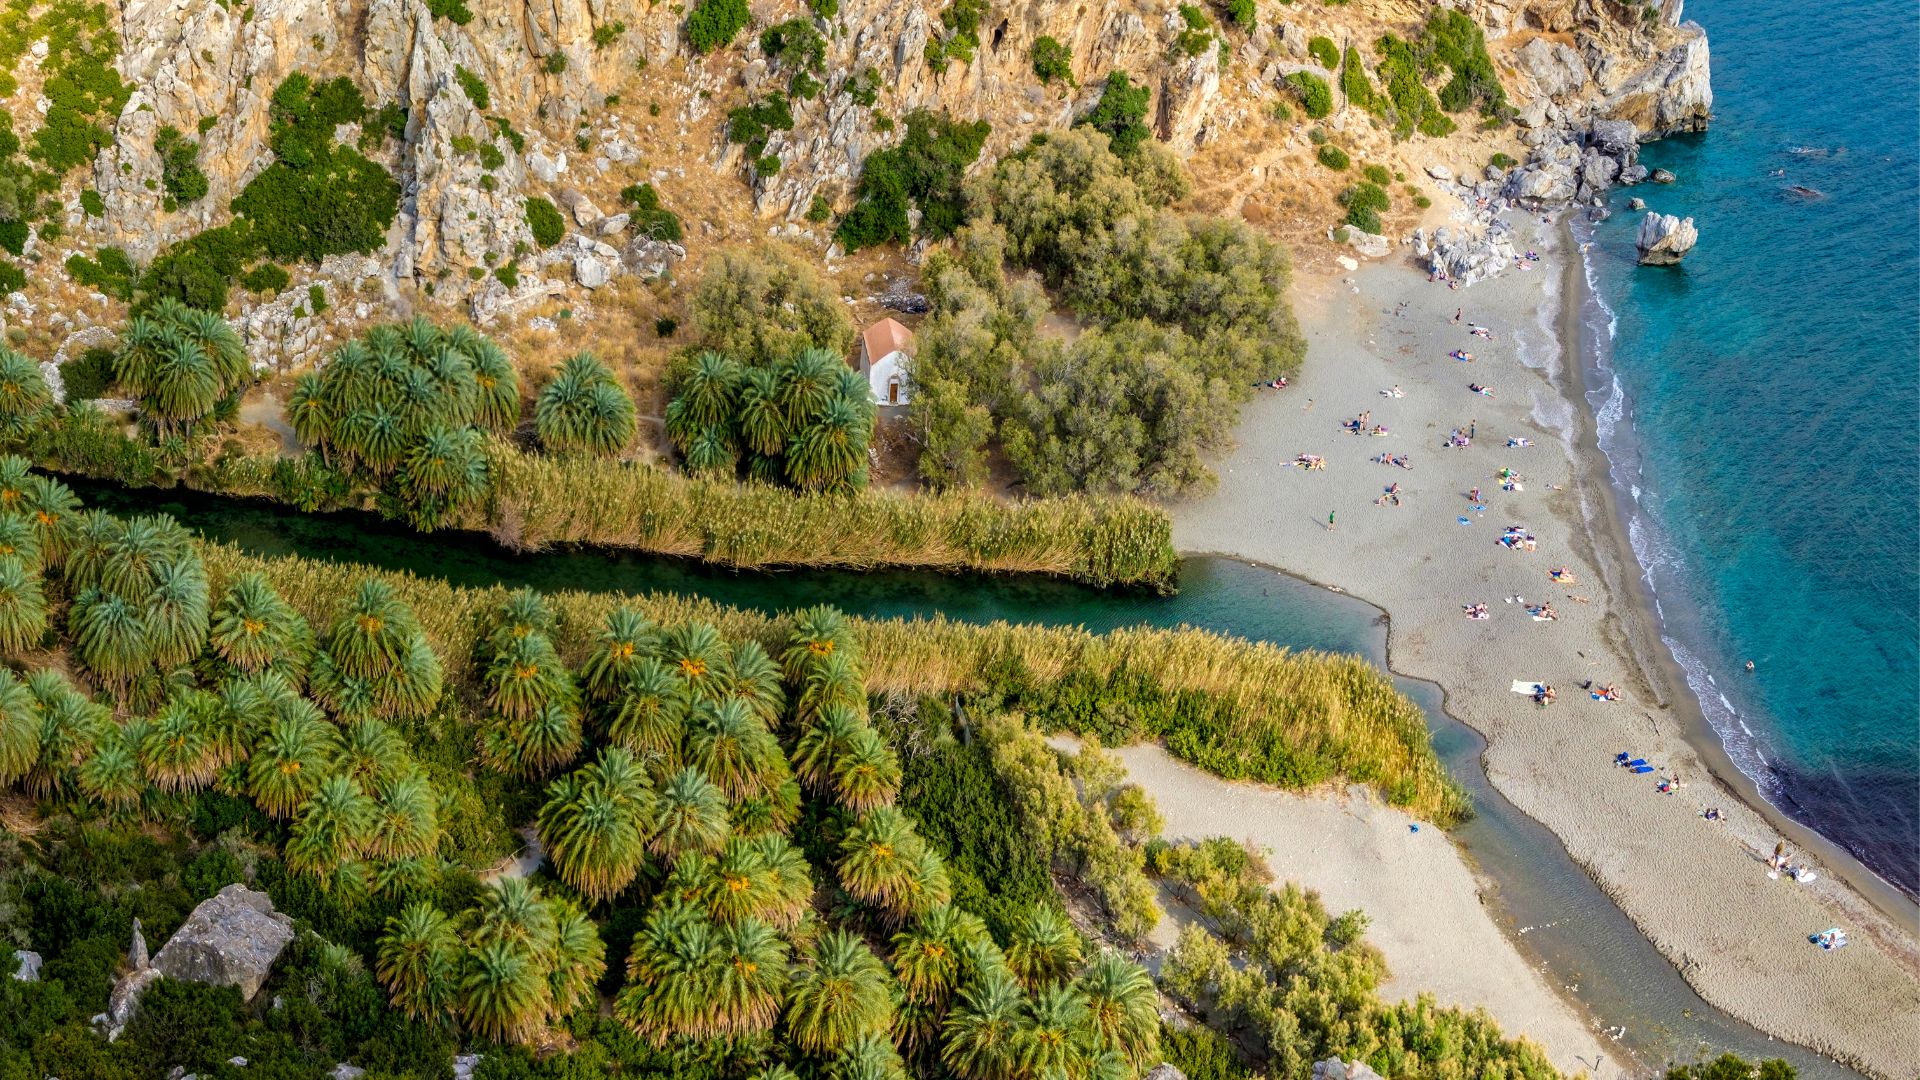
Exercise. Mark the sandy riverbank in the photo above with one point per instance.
(1698, 889)
(1425, 912)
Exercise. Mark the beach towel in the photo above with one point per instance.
(1636, 762)
(1643, 768)
(1521, 686)
(1464, 521)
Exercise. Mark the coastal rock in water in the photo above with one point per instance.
(1673, 94)
(1665, 239)
(231, 939)
(1636, 204)
(1662, 176)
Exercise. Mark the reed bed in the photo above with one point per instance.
(534, 501)
(1239, 705)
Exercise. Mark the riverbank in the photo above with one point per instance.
(1697, 888)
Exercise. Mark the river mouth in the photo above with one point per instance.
(1583, 944)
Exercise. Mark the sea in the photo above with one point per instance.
(1760, 404)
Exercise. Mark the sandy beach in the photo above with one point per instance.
(1698, 889)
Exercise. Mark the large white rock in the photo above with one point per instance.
(231, 939)
(1665, 239)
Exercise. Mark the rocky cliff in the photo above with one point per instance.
(574, 100)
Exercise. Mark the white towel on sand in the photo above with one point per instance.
(1521, 686)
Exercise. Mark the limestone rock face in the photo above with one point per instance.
(1673, 94)
(231, 939)
(1664, 239)
(27, 965)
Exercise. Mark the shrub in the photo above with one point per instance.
(1377, 174)
(556, 63)
(89, 375)
(1051, 60)
(713, 23)
(1455, 41)
(109, 271)
(1354, 83)
(316, 199)
(795, 44)
(649, 218)
(1409, 105)
(454, 11)
(1121, 113)
(1333, 157)
(508, 275)
(1316, 97)
(265, 278)
(473, 86)
(1501, 160)
(665, 325)
(13, 236)
(179, 166)
(760, 305)
(91, 203)
(926, 171)
(1282, 114)
(606, 34)
(316, 298)
(199, 270)
(490, 157)
(1197, 35)
(544, 219)
(1324, 51)
(819, 209)
(1422, 201)
(751, 125)
(1242, 14)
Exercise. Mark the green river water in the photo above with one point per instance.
(1564, 923)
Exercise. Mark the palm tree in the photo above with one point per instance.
(372, 634)
(19, 729)
(504, 993)
(417, 959)
(406, 818)
(496, 404)
(730, 744)
(411, 687)
(1045, 950)
(310, 413)
(691, 815)
(23, 607)
(54, 512)
(594, 825)
(869, 1057)
(444, 471)
(181, 750)
(370, 752)
(1057, 1037)
(578, 959)
(824, 741)
(983, 1028)
(807, 384)
(761, 420)
(709, 451)
(252, 627)
(291, 759)
(928, 957)
(670, 976)
(330, 827)
(70, 725)
(214, 337)
(696, 654)
(18, 541)
(176, 611)
(526, 674)
(110, 635)
(652, 716)
(24, 397)
(584, 410)
(512, 911)
(839, 992)
(111, 774)
(708, 392)
(879, 861)
(533, 744)
(522, 614)
(774, 810)
(830, 453)
(866, 775)
(626, 641)
(1124, 1007)
(819, 633)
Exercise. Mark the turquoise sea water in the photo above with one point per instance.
(1763, 409)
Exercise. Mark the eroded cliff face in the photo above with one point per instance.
(598, 95)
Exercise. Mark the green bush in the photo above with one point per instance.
(89, 375)
(316, 298)
(199, 270)
(91, 203)
(556, 63)
(490, 157)
(1377, 174)
(606, 34)
(961, 807)
(1354, 84)
(1324, 51)
(1242, 14)
(179, 166)
(1408, 105)
(1197, 35)
(1121, 113)
(1051, 60)
(1333, 157)
(713, 23)
(267, 278)
(649, 218)
(1502, 160)
(1453, 40)
(13, 236)
(1422, 201)
(794, 44)
(545, 221)
(12, 279)
(109, 271)
(454, 11)
(751, 125)
(316, 199)
(1201, 1053)
(473, 86)
(819, 209)
(1316, 97)
(924, 171)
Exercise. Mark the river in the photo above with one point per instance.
(1564, 923)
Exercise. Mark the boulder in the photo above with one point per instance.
(1664, 239)
(137, 952)
(1636, 204)
(591, 271)
(464, 1065)
(1372, 245)
(28, 969)
(1614, 138)
(344, 1071)
(1555, 69)
(231, 939)
(1633, 174)
(1335, 1069)
(1164, 1071)
(612, 224)
(1662, 176)
(1439, 172)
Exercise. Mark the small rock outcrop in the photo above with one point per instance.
(28, 969)
(1164, 1071)
(1465, 257)
(231, 939)
(1335, 1069)
(1665, 239)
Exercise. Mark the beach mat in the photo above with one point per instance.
(1521, 686)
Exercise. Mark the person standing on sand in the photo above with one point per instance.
(1473, 428)
(1329, 521)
